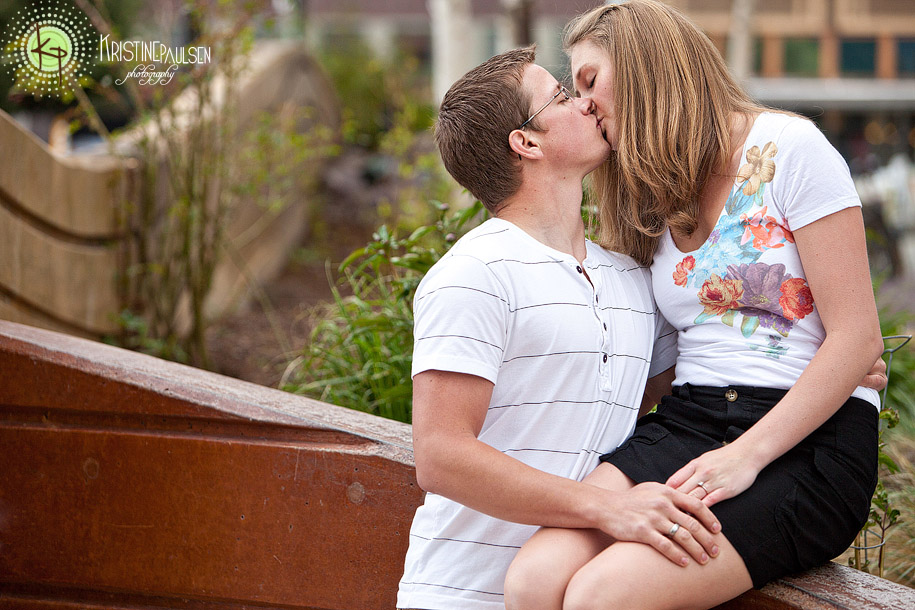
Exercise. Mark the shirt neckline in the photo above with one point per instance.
(743, 155)
(553, 253)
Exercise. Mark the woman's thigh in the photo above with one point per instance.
(543, 567)
(634, 576)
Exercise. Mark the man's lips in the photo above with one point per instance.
(600, 126)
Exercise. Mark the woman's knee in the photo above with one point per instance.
(530, 582)
(538, 576)
(592, 589)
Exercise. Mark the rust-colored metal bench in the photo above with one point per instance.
(131, 482)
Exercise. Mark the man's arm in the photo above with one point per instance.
(657, 387)
(448, 414)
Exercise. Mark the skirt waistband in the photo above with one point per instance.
(730, 393)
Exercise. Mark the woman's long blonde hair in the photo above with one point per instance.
(674, 100)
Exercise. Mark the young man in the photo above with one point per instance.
(532, 350)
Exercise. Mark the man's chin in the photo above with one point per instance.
(599, 162)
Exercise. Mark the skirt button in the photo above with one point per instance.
(731, 395)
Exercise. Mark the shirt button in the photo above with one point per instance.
(578, 268)
(605, 357)
(596, 299)
(605, 326)
(731, 395)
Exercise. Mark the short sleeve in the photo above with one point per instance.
(664, 353)
(460, 319)
(811, 177)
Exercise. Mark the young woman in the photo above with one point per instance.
(754, 234)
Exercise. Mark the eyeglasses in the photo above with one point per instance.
(562, 91)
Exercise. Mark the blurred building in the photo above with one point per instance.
(848, 63)
(477, 29)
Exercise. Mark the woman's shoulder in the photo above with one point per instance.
(784, 128)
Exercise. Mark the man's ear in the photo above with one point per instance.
(524, 145)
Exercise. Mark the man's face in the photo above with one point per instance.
(573, 134)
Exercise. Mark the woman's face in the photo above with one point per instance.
(592, 76)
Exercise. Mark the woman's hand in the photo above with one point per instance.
(716, 475)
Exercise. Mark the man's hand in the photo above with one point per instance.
(876, 378)
(648, 512)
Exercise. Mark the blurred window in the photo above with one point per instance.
(858, 57)
(802, 56)
(906, 55)
(757, 55)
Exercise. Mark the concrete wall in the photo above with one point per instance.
(66, 237)
(59, 233)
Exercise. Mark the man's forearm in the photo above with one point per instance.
(480, 477)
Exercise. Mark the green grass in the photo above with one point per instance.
(900, 544)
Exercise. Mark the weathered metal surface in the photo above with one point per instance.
(828, 587)
(129, 477)
(835, 586)
(129, 482)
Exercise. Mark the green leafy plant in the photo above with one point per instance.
(869, 552)
(199, 165)
(360, 352)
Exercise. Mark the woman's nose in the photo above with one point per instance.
(586, 104)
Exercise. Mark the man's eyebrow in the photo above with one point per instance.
(558, 87)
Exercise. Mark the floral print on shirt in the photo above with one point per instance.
(731, 281)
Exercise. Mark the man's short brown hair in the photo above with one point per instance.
(475, 118)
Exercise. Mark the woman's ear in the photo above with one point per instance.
(524, 145)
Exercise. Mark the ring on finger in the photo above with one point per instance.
(702, 485)
(673, 530)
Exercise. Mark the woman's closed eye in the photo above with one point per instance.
(587, 85)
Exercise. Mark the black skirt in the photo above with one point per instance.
(804, 509)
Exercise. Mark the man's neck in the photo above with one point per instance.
(550, 212)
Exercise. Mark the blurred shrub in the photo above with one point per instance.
(361, 348)
(375, 94)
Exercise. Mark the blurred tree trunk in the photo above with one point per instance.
(451, 22)
(520, 17)
(740, 35)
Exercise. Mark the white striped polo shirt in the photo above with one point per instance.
(569, 359)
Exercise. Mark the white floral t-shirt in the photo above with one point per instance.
(740, 303)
